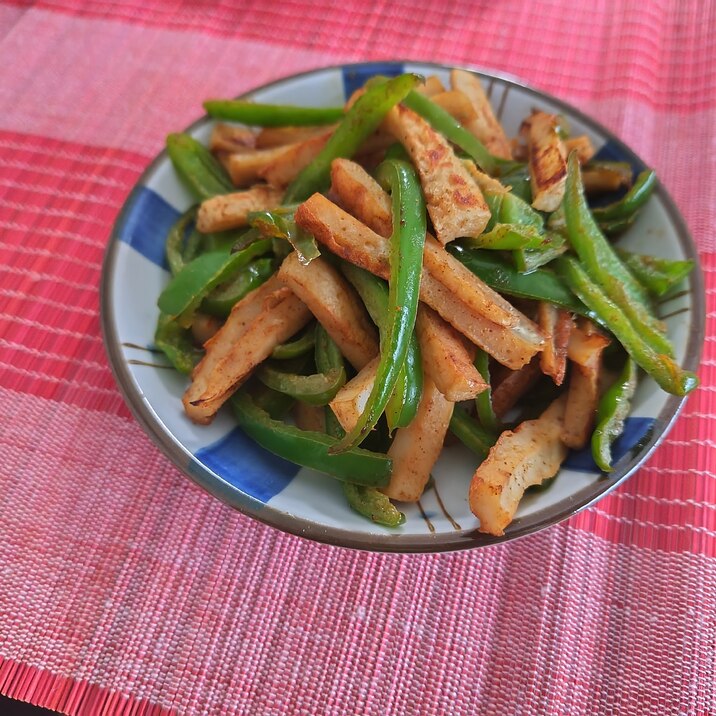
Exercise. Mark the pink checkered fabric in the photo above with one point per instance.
(125, 589)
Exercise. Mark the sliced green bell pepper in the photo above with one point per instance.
(657, 275)
(631, 202)
(277, 405)
(617, 227)
(505, 237)
(527, 259)
(403, 404)
(328, 357)
(604, 266)
(316, 389)
(223, 298)
(442, 121)
(483, 401)
(176, 344)
(308, 448)
(614, 406)
(406, 262)
(515, 210)
(185, 292)
(271, 115)
(519, 181)
(471, 433)
(174, 247)
(540, 285)
(297, 347)
(665, 371)
(361, 120)
(274, 225)
(373, 504)
(197, 167)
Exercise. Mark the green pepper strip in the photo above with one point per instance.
(604, 266)
(557, 222)
(519, 180)
(196, 166)
(310, 449)
(537, 246)
(328, 357)
(397, 151)
(176, 344)
(527, 260)
(193, 246)
(185, 292)
(614, 406)
(540, 285)
(504, 237)
(442, 121)
(366, 501)
(273, 225)
(224, 297)
(616, 227)
(631, 202)
(373, 504)
(298, 347)
(494, 204)
(281, 249)
(483, 401)
(515, 210)
(471, 433)
(221, 240)
(250, 236)
(406, 262)
(174, 246)
(657, 275)
(271, 115)
(317, 389)
(668, 374)
(277, 405)
(403, 403)
(333, 427)
(327, 354)
(361, 120)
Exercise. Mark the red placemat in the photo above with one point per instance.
(125, 589)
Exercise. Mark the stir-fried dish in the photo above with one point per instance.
(365, 284)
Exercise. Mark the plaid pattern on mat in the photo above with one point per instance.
(125, 589)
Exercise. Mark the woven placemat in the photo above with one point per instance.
(125, 589)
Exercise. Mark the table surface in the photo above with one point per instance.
(125, 589)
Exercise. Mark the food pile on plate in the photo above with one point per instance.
(363, 284)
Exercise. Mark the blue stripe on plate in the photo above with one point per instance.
(636, 431)
(357, 75)
(146, 224)
(246, 465)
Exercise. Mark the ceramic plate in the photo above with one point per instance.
(235, 470)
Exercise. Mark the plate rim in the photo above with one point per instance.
(172, 448)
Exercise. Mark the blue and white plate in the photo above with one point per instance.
(234, 469)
